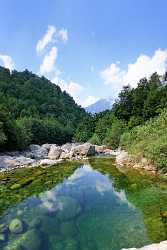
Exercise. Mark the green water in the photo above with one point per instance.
(81, 206)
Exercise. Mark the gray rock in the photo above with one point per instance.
(67, 147)
(65, 155)
(36, 152)
(85, 150)
(54, 152)
(16, 226)
(10, 162)
(100, 149)
(48, 162)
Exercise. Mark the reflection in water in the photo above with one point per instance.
(87, 211)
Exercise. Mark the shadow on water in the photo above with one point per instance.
(74, 206)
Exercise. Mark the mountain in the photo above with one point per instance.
(100, 105)
(35, 110)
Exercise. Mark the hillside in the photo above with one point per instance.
(34, 110)
(137, 121)
(148, 140)
(100, 105)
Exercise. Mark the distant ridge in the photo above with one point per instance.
(100, 105)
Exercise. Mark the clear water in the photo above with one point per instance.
(97, 207)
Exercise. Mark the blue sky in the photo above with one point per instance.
(90, 48)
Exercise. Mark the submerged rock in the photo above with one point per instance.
(68, 208)
(30, 240)
(16, 226)
(2, 238)
(3, 228)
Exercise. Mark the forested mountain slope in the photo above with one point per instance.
(34, 110)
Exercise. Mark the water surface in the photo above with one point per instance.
(90, 206)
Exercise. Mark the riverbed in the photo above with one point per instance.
(87, 205)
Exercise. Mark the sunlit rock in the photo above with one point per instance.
(16, 226)
(54, 152)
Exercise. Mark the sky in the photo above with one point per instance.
(90, 48)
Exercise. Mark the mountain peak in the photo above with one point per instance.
(101, 105)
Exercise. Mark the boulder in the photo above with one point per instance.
(54, 152)
(2, 237)
(65, 156)
(85, 150)
(10, 162)
(37, 152)
(122, 158)
(66, 147)
(16, 226)
(31, 240)
(47, 162)
(100, 149)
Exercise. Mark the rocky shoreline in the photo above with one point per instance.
(160, 246)
(123, 159)
(51, 154)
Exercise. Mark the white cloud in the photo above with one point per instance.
(112, 74)
(48, 64)
(63, 35)
(71, 87)
(143, 67)
(76, 90)
(50, 37)
(7, 61)
(88, 101)
(46, 39)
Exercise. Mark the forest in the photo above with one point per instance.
(34, 110)
(137, 121)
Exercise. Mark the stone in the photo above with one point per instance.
(31, 240)
(100, 149)
(48, 162)
(68, 208)
(36, 152)
(16, 226)
(2, 237)
(160, 246)
(3, 228)
(54, 152)
(85, 150)
(122, 158)
(28, 241)
(67, 147)
(65, 155)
